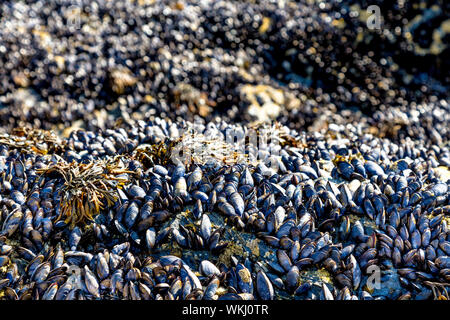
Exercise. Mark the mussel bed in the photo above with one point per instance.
(127, 168)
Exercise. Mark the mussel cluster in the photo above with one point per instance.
(119, 180)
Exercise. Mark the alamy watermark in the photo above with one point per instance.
(375, 19)
(374, 279)
(72, 11)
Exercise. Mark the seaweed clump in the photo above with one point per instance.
(87, 188)
(33, 141)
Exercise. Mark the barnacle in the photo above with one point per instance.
(87, 188)
(197, 101)
(120, 79)
(151, 154)
(348, 158)
(193, 147)
(190, 147)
